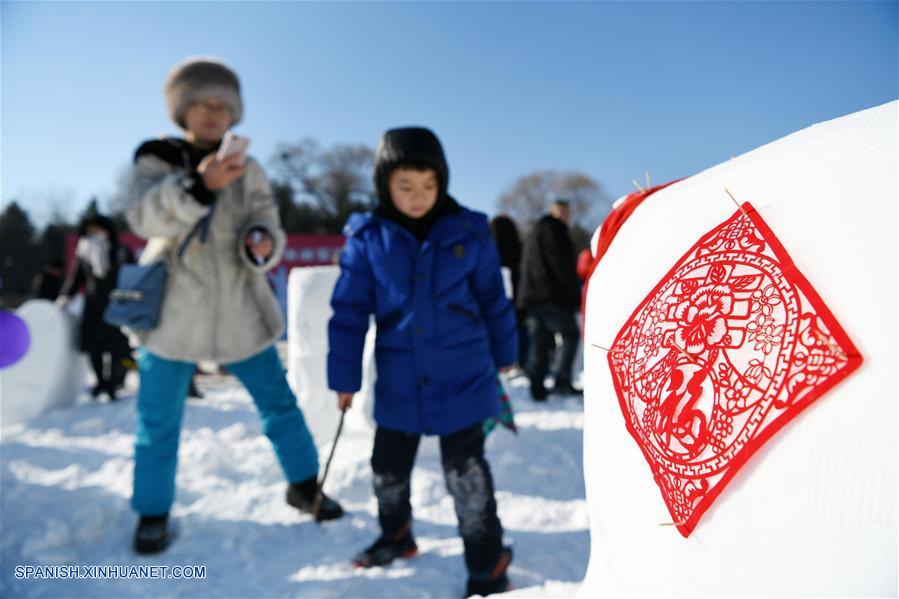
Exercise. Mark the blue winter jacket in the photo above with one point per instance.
(444, 323)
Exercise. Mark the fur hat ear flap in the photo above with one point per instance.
(201, 77)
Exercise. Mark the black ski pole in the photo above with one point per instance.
(318, 492)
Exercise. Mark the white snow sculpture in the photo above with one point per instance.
(308, 311)
(52, 372)
(813, 512)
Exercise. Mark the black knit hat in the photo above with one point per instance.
(198, 77)
(97, 220)
(412, 147)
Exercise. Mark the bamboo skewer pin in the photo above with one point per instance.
(637, 185)
(683, 352)
(681, 523)
(648, 184)
(746, 214)
(835, 348)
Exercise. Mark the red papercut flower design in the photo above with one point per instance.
(702, 318)
(767, 337)
(766, 299)
(727, 348)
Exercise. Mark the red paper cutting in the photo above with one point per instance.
(727, 348)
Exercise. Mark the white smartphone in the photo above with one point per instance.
(233, 144)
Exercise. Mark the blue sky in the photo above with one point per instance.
(612, 89)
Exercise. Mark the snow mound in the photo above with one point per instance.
(50, 374)
(813, 512)
(65, 482)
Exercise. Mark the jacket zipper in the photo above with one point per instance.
(215, 267)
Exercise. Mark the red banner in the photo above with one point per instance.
(301, 250)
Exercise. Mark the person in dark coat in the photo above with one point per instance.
(47, 284)
(508, 243)
(98, 257)
(549, 292)
(429, 272)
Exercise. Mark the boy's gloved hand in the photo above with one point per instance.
(219, 174)
(344, 401)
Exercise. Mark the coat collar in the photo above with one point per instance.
(447, 228)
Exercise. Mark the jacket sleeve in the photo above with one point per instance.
(262, 215)
(158, 205)
(74, 279)
(496, 309)
(353, 303)
(558, 255)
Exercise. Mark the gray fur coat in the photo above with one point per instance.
(218, 305)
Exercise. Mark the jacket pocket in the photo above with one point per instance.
(390, 319)
(463, 311)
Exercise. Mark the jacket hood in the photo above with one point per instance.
(417, 148)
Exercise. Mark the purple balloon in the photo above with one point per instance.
(14, 338)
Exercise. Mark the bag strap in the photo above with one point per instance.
(203, 223)
(202, 226)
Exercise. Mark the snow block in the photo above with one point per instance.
(50, 374)
(813, 510)
(308, 312)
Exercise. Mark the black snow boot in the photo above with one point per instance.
(386, 549)
(302, 496)
(152, 534)
(193, 392)
(496, 582)
(538, 391)
(566, 388)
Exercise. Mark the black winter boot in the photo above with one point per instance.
(496, 582)
(563, 387)
(152, 534)
(193, 392)
(386, 549)
(302, 496)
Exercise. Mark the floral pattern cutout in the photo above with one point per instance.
(730, 345)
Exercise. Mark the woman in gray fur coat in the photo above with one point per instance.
(218, 305)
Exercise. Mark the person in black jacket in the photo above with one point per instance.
(98, 257)
(549, 292)
(508, 243)
(48, 282)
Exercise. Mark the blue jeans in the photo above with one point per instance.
(160, 404)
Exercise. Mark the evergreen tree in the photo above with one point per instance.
(19, 261)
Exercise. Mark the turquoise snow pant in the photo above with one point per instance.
(160, 403)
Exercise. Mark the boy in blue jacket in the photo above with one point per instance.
(428, 270)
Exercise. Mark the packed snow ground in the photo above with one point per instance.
(66, 481)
